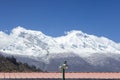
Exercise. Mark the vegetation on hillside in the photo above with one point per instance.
(9, 64)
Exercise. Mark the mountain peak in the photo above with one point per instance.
(76, 33)
(20, 30)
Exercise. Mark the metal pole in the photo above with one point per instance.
(63, 74)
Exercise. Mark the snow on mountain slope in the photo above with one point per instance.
(83, 42)
(35, 43)
(45, 49)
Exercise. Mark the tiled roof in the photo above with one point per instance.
(59, 75)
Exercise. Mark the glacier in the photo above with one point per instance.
(82, 51)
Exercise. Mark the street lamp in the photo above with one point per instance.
(63, 67)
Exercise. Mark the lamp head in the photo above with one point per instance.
(64, 65)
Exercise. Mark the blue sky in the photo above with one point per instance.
(54, 17)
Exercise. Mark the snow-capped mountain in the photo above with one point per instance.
(82, 51)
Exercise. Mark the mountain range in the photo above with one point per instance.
(83, 52)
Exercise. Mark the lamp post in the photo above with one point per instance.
(63, 67)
